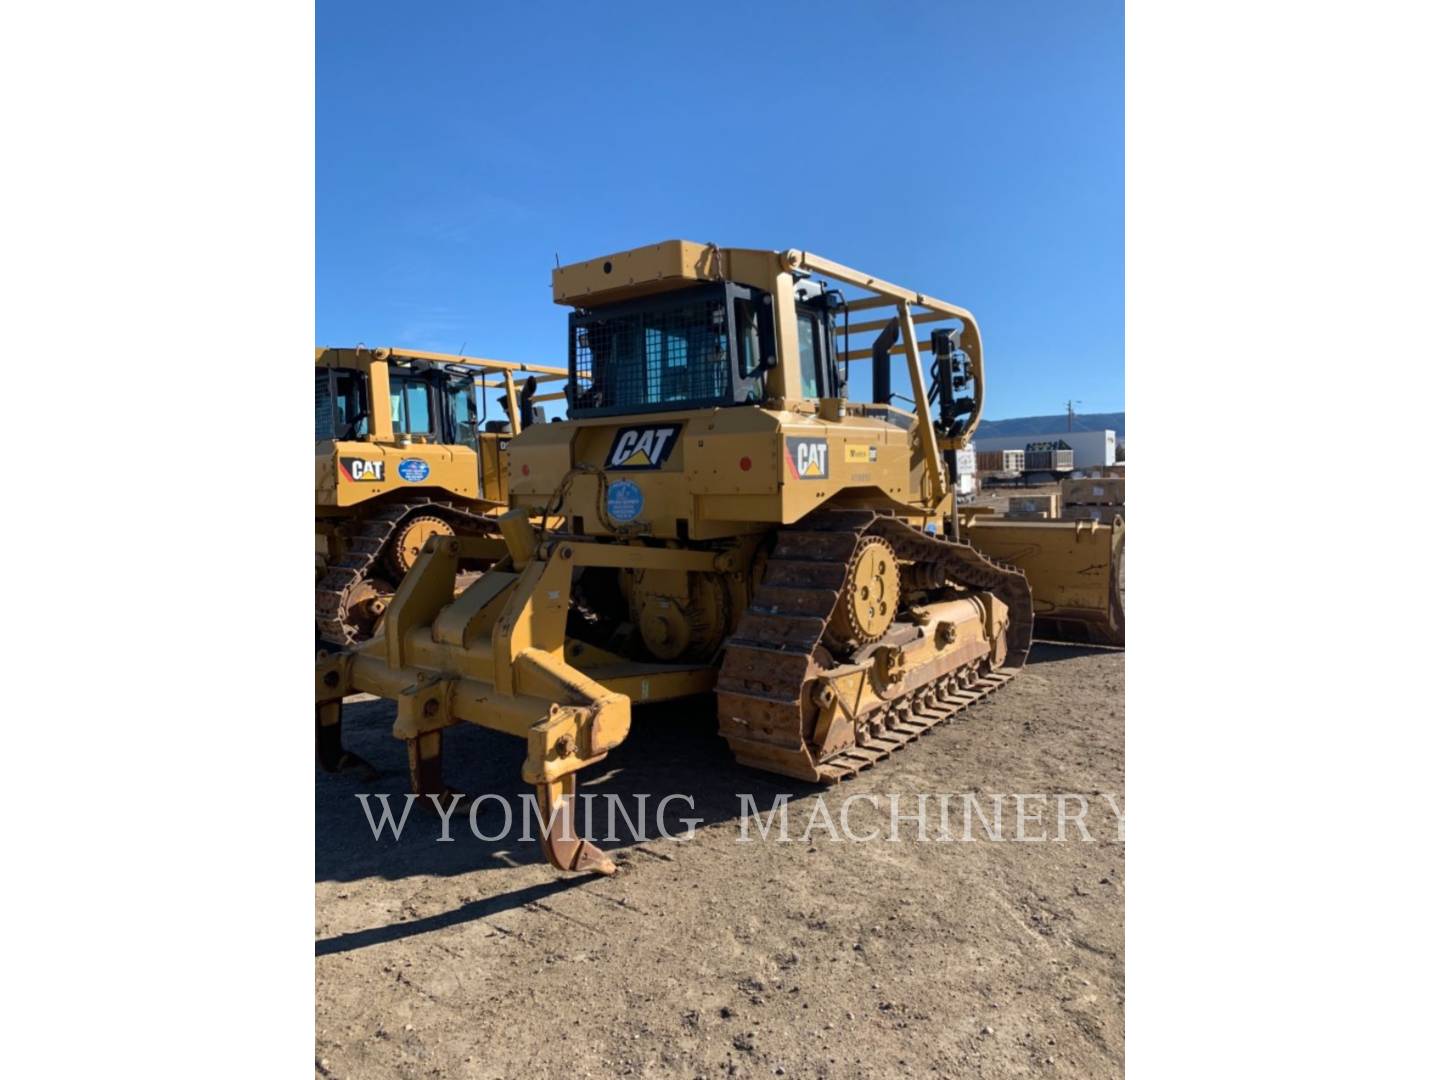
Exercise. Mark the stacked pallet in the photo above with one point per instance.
(1095, 499)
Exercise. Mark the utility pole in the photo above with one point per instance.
(1070, 414)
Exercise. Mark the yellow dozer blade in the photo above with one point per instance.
(1076, 571)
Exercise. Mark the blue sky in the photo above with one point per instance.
(973, 150)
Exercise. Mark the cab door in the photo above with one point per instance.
(494, 460)
(465, 431)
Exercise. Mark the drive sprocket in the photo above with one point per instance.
(870, 596)
(410, 540)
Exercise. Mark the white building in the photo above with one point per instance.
(1092, 448)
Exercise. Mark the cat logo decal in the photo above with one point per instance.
(809, 459)
(363, 470)
(642, 447)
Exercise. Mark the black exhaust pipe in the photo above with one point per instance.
(880, 362)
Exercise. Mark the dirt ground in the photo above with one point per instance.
(715, 958)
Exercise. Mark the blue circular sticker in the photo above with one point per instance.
(413, 469)
(624, 500)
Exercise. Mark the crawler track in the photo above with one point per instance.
(777, 651)
(364, 551)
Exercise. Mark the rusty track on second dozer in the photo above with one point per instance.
(778, 653)
(364, 550)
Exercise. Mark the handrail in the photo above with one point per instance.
(904, 300)
(483, 363)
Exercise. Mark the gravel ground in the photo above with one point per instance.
(710, 957)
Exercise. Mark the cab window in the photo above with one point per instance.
(747, 341)
(461, 394)
(809, 335)
(410, 405)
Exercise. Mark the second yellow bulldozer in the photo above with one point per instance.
(405, 449)
(728, 522)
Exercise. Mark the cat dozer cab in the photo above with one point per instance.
(405, 449)
(729, 523)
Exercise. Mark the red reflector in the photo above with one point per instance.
(524, 470)
(744, 464)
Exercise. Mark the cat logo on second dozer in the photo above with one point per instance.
(642, 447)
(364, 470)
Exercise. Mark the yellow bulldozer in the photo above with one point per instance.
(405, 449)
(716, 517)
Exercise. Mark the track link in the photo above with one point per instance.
(777, 651)
(363, 552)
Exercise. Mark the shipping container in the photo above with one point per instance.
(993, 461)
(1091, 448)
(1051, 457)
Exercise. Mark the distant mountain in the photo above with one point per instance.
(1044, 425)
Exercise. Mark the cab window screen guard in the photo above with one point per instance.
(324, 407)
(340, 405)
(667, 352)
